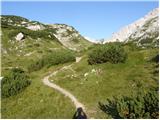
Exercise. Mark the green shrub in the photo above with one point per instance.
(14, 82)
(46, 34)
(19, 19)
(132, 46)
(39, 51)
(36, 44)
(141, 106)
(75, 40)
(30, 45)
(53, 58)
(111, 52)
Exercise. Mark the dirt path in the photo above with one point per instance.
(62, 90)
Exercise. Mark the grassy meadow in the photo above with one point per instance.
(91, 84)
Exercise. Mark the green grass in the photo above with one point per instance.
(40, 101)
(17, 51)
(112, 80)
(37, 101)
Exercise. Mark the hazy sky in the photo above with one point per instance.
(92, 19)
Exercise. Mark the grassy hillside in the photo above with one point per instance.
(21, 53)
(109, 80)
(37, 100)
(68, 37)
(40, 53)
(91, 84)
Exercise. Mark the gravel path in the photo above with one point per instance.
(62, 90)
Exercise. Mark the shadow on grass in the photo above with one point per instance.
(110, 109)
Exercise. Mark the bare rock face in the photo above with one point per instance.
(66, 35)
(19, 36)
(137, 30)
(35, 27)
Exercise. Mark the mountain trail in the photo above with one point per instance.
(62, 90)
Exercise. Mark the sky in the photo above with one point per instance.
(94, 19)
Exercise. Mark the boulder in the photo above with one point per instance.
(93, 71)
(86, 74)
(78, 59)
(19, 36)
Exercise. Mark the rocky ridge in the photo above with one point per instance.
(140, 30)
(66, 35)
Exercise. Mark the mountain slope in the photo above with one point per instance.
(141, 30)
(25, 41)
(90, 84)
(66, 35)
(69, 37)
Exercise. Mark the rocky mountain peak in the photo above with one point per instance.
(149, 21)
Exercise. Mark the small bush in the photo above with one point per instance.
(75, 40)
(53, 58)
(30, 33)
(39, 51)
(14, 82)
(132, 46)
(111, 52)
(141, 106)
(36, 44)
(30, 45)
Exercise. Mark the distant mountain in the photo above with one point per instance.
(143, 31)
(66, 35)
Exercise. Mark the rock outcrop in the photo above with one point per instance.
(69, 37)
(142, 29)
(19, 36)
(35, 27)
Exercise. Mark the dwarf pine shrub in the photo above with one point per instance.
(111, 52)
(142, 106)
(14, 82)
(52, 58)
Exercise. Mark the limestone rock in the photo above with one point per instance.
(68, 36)
(19, 36)
(147, 24)
(35, 27)
(93, 71)
(86, 74)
